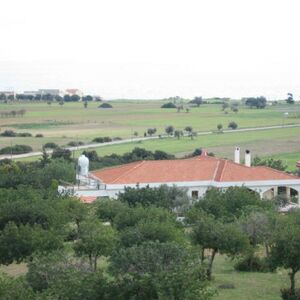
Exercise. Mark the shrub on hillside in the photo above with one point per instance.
(9, 133)
(50, 145)
(168, 105)
(233, 125)
(105, 139)
(286, 294)
(17, 149)
(62, 153)
(252, 264)
(39, 135)
(75, 144)
(105, 105)
(24, 134)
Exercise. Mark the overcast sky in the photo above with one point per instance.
(153, 48)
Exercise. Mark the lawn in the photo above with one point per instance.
(248, 285)
(72, 122)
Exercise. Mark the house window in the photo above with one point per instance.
(195, 194)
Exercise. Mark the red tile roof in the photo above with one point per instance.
(200, 168)
(88, 199)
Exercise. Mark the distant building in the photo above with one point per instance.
(196, 175)
(31, 93)
(72, 92)
(52, 92)
(8, 94)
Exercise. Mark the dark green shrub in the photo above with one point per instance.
(75, 144)
(9, 133)
(24, 134)
(286, 294)
(105, 139)
(168, 105)
(50, 145)
(105, 105)
(252, 264)
(39, 135)
(17, 149)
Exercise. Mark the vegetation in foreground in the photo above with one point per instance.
(135, 247)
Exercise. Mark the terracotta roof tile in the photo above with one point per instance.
(201, 168)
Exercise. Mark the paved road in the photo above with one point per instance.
(88, 146)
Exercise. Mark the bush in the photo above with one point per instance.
(24, 134)
(105, 105)
(286, 294)
(39, 135)
(252, 264)
(17, 149)
(233, 125)
(168, 105)
(105, 139)
(9, 133)
(75, 144)
(51, 145)
(61, 153)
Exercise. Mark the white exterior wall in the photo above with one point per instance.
(112, 190)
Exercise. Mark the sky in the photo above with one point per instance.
(152, 49)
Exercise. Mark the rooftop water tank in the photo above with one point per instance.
(83, 164)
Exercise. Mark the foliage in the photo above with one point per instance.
(105, 105)
(285, 250)
(159, 271)
(169, 130)
(290, 98)
(50, 145)
(252, 264)
(233, 125)
(105, 139)
(18, 243)
(151, 131)
(15, 289)
(168, 105)
(269, 162)
(61, 153)
(95, 240)
(258, 102)
(197, 101)
(171, 198)
(16, 149)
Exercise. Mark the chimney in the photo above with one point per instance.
(247, 158)
(237, 155)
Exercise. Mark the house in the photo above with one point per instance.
(196, 175)
(72, 92)
(52, 92)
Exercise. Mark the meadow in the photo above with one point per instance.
(73, 122)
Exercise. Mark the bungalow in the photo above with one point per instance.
(196, 175)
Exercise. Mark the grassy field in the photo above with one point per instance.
(247, 286)
(72, 122)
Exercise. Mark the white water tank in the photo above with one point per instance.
(83, 164)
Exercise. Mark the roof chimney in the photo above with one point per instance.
(247, 158)
(237, 155)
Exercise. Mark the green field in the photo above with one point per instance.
(72, 122)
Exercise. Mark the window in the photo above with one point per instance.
(195, 194)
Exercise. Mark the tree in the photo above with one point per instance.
(269, 162)
(45, 159)
(178, 134)
(285, 252)
(87, 98)
(169, 130)
(85, 104)
(224, 106)
(95, 240)
(233, 125)
(151, 131)
(211, 234)
(159, 271)
(290, 98)
(258, 102)
(61, 153)
(136, 134)
(190, 132)
(197, 101)
(75, 98)
(219, 127)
